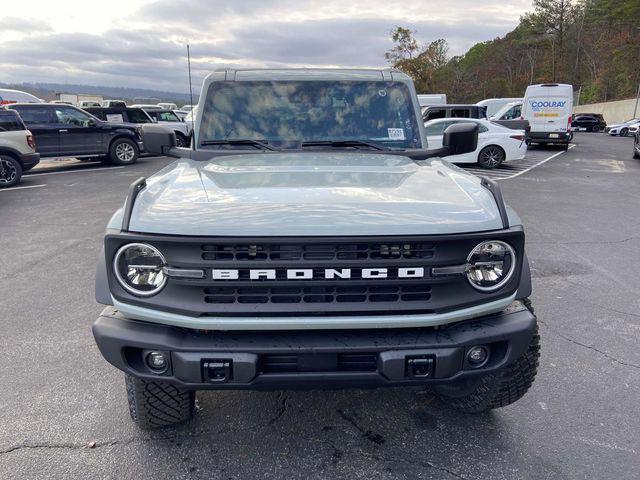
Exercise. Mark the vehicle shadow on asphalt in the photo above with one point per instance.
(327, 434)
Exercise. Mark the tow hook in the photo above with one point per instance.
(419, 367)
(217, 371)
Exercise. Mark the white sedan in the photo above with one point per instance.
(630, 127)
(496, 144)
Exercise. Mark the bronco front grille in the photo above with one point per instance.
(314, 276)
(315, 252)
(318, 294)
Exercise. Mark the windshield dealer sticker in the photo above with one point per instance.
(395, 133)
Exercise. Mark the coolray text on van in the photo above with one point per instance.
(312, 240)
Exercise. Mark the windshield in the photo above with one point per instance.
(286, 113)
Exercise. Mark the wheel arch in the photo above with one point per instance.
(10, 152)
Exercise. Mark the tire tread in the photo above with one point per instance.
(158, 404)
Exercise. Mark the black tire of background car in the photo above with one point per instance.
(491, 157)
(497, 389)
(10, 171)
(624, 132)
(636, 155)
(181, 140)
(123, 152)
(158, 404)
(595, 128)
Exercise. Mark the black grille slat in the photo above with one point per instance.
(340, 362)
(318, 294)
(317, 252)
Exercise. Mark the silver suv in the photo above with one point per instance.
(312, 240)
(17, 149)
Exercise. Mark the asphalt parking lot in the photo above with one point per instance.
(63, 409)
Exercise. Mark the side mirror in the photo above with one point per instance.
(460, 138)
(157, 139)
(92, 122)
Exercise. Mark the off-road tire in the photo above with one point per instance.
(123, 151)
(158, 404)
(502, 388)
(12, 171)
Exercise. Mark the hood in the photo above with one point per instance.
(312, 193)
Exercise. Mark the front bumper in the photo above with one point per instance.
(546, 137)
(314, 359)
(29, 160)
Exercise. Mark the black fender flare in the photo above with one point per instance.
(103, 294)
(524, 287)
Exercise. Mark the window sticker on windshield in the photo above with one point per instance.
(395, 133)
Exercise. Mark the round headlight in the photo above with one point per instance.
(140, 269)
(490, 265)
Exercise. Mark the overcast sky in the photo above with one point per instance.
(141, 43)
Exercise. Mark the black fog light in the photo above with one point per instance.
(477, 356)
(157, 361)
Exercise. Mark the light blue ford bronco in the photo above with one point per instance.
(310, 239)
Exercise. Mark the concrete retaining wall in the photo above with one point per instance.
(613, 112)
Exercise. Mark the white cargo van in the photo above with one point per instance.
(495, 104)
(548, 108)
(429, 99)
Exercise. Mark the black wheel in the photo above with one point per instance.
(491, 157)
(181, 140)
(157, 404)
(624, 132)
(10, 171)
(123, 151)
(595, 128)
(497, 389)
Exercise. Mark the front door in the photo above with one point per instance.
(80, 133)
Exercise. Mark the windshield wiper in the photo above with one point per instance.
(343, 143)
(260, 144)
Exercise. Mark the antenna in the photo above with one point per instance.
(193, 143)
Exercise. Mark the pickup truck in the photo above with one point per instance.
(311, 239)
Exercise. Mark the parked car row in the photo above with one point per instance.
(59, 130)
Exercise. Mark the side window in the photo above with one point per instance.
(36, 115)
(137, 116)
(71, 116)
(513, 113)
(433, 114)
(10, 122)
(436, 128)
(460, 113)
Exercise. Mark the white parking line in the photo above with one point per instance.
(544, 161)
(84, 170)
(510, 169)
(21, 188)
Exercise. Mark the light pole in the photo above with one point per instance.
(635, 109)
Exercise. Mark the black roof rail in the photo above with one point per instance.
(134, 190)
(494, 188)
